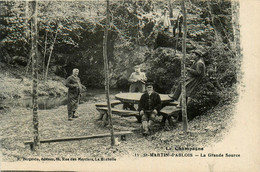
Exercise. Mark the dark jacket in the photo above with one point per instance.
(74, 85)
(195, 76)
(155, 102)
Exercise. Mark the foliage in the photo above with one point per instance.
(210, 31)
(136, 36)
(13, 87)
(68, 18)
(164, 69)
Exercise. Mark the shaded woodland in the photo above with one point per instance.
(70, 35)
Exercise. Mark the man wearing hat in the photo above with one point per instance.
(149, 106)
(194, 76)
(74, 92)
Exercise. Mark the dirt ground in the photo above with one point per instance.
(16, 127)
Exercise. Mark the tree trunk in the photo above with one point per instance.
(27, 28)
(105, 41)
(36, 140)
(235, 25)
(177, 39)
(28, 33)
(29, 61)
(30, 30)
(52, 46)
(183, 70)
(44, 54)
(170, 10)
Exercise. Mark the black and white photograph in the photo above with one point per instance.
(129, 85)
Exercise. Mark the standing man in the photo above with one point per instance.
(74, 93)
(137, 80)
(149, 106)
(194, 78)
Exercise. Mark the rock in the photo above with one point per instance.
(19, 60)
(165, 40)
(116, 141)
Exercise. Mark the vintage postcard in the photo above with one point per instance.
(130, 85)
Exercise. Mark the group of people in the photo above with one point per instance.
(177, 24)
(150, 102)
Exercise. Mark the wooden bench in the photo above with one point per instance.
(120, 112)
(122, 134)
(169, 112)
(104, 104)
(173, 103)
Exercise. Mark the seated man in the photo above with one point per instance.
(149, 106)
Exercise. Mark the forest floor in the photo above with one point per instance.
(16, 127)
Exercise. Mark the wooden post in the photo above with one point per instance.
(183, 70)
(105, 41)
(36, 140)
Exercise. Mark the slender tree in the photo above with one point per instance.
(235, 25)
(105, 42)
(27, 31)
(52, 46)
(183, 70)
(178, 35)
(34, 54)
(44, 54)
(170, 9)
